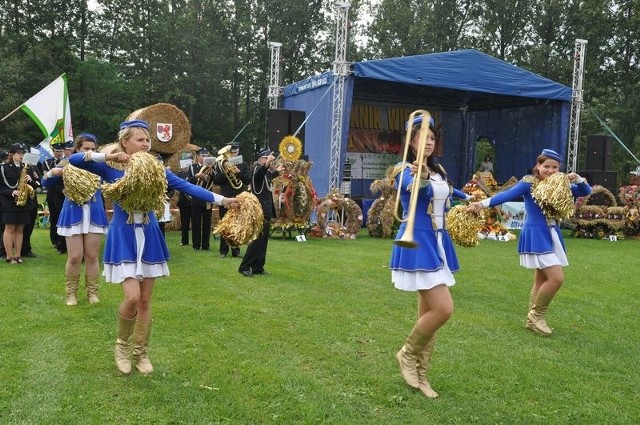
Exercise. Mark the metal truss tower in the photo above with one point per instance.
(274, 75)
(576, 104)
(340, 71)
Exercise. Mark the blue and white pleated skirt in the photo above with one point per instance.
(118, 271)
(541, 261)
(424, 280)
(84, 226)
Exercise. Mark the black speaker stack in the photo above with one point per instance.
(284, 122)
(598, 164)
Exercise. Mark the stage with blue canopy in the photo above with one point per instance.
(471, 95)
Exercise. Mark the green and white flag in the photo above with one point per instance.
(50, 110)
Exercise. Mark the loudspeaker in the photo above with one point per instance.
(284, 122)
(607, 179)
(598, 155)
(296, 118)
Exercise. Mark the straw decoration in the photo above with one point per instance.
(241, 225)
(463, 226)
(142, 188)
(553, 196)
(79, 185)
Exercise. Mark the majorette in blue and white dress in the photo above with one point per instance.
(77, 219)
(540, 244)
(136, 249)
(434, 261)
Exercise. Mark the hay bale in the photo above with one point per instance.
(173, 161)
(169, 127)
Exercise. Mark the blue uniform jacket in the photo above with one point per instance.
(425, 257)
(535, 237)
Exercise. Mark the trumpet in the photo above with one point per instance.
(407, 240)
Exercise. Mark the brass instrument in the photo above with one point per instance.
(25, 191)
(229, 170)
(407, 241)
(207, 168)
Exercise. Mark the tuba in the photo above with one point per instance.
(25, 191)
(407, 240)
(224, 165)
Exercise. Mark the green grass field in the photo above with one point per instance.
(315, 341)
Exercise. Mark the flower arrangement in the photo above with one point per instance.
(294, 197)
(600, 195)
(381, 221)
(339, 216)
(630, 195)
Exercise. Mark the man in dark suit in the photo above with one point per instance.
(55, 199)
(263, 173)
(200, 211)
(231, 182)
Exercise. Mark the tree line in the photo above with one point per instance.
(211, 57)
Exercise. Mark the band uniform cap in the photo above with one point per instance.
(17, 147)
(263, 153)
(203, 151)
(3, 155)
(89, 136)
(235, 147)
(57, 146)
(550, 153)
(134, 123)
(68, 145)
(418, 120)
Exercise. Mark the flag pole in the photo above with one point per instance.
(11, 113)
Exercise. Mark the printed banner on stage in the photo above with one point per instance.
(380, 129)
(371, 165)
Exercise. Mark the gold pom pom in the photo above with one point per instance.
(79, 185)
(463, 226)
(143, 186)
(241, 225)
(553, 196)
(290, 148)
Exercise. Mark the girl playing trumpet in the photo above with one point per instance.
(427, 269)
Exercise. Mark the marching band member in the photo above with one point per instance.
(540, 245)
(427, 269)
(261, 178)
(16, 186)
(240, 175)
(135, 252)
(200, 211)
(55, 198)
(82, 222)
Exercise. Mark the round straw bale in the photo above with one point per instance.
(169, 127)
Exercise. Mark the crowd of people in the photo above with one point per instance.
(135, 252)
